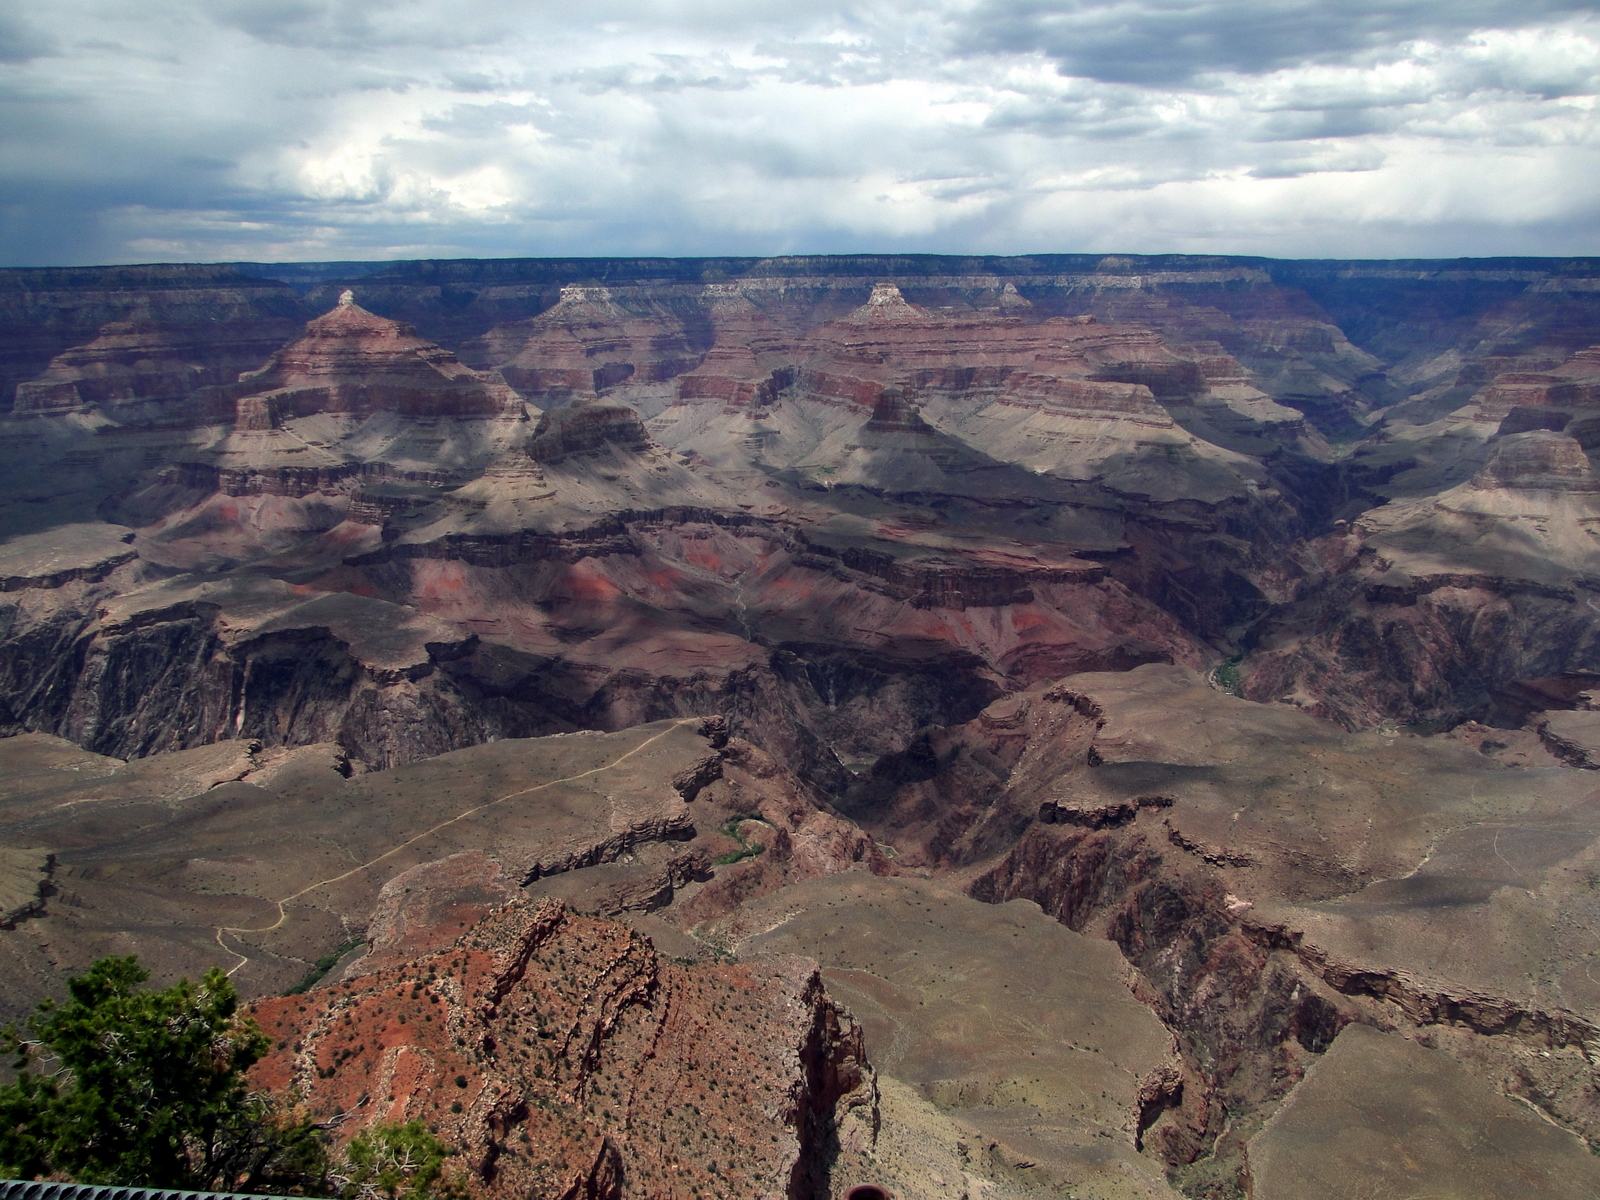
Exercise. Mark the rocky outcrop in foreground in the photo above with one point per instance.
(563, 1057)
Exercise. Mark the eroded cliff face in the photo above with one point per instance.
(126, 335)
(1472, 583)
(1164, 417)
(555, 1051)
(561, 1055)
(409, 650)
(585, 575)
(141, 369)
(588, 343)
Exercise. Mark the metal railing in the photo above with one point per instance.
(22, 1189)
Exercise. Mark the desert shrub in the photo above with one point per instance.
(396, 1161)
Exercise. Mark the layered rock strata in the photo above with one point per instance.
(1438, 607)
(131, 334)
(868, 512)
(587, 343)
(141, 371)
(350, 362)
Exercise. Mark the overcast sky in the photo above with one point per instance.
(206, 130)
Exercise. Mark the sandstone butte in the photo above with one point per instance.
(1096, 726)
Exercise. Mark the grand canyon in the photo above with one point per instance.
(1086, 726)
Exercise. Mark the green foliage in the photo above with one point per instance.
(397, 1162)
(322, 966)
(146, 1088)
(1226, 675)
(746, 849)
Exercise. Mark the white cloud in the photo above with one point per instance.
(378, 128)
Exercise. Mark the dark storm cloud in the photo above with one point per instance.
(304, 129)
(361, 28)
(1173, 41)
(20, 41)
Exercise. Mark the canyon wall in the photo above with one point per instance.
(1165, 417)
(768, 663)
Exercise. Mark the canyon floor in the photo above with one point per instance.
(1072, 726)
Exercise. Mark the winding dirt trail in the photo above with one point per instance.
(283, 913)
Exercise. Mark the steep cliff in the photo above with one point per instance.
(1275, 881)
(142, 370)
(1165, 417)
(212, 320)
(1441, 606)
(704, 596)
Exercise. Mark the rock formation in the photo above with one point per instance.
(351, 362)
(587, 343)
(139, 370)
(1437, 606)
(561, 1055)
(125, 334)
(584, 429)
(1190, 660)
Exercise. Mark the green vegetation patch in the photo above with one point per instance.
(169, 1108)
(126, 1086)
(746, 849)
(322, 966)
(1225, 675)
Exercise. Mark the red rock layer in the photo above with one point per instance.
(741, 336)
(588, 343)
(213, 317)
(141, 370)
(562, 1056)
(1067, 365)
(351, 361)
(894, 412)
(1573, 384)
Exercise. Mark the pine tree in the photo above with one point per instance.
(123, 1085)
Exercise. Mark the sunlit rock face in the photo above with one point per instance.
(1330, 885)
(1112, 460)
(351, 362)
(559, 1053)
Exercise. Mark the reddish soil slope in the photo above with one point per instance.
(562, 1056)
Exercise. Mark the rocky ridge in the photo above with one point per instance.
(561, 1055)
(1438, 604)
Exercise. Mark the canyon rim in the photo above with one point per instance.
(1071, 725)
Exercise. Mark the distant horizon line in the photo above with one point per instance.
(1098, 257)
